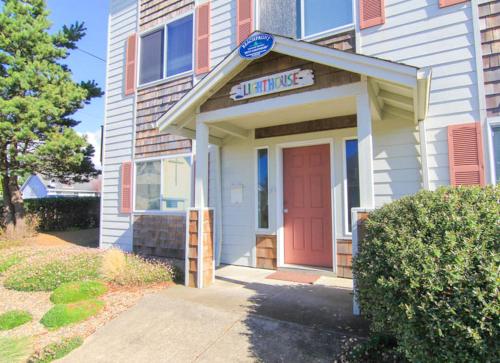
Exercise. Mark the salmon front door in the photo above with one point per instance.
(307, 206)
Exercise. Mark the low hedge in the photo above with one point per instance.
(428, 274)
(60, 214)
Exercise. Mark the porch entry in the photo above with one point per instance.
(307, 206)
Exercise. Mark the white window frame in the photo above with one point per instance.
(492, 122)
(346, 211)
(329, 32)
(256, 163)
(164, 27)
(161, 159)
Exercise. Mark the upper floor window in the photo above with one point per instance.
(324, 16)
(167, 52)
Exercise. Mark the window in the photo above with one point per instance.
(262, 188)
(163, 185)
(321, 16)
(167, 51)
(152, 57)
(496, 151)
(352, 179)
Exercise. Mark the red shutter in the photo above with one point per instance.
(465, 153)
(126, 191)
(203, 38)
(445, 3)
(244, 11)
(371, 13)
(130, 65)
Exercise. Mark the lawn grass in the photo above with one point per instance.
(56, 351)
(65, 314)
(77, 291)
(14, 318)
(14, 350)
(49, 273)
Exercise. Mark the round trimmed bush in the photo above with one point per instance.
(62, 315)
(428, 274)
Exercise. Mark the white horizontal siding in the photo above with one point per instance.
(421, 34)
(116, 228)
(222, 29)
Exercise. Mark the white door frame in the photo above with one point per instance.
(280, 230)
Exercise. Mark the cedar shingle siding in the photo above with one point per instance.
(154, 101)
(489, 14)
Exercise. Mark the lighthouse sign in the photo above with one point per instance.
(279, 82)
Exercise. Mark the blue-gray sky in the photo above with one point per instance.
(94, 13)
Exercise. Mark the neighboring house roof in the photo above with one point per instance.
(416, 80)
(52, 185)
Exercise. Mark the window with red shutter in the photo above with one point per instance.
(244, 10)
(371, 13)
(126, 187)
(130, 65)
(445, 3)
(203, 38)
(465, 153)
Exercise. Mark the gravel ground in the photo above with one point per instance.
(117, 300)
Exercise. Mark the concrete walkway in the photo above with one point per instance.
(243, 317)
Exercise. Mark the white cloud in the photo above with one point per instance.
(94, 138)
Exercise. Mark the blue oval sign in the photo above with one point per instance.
(256, 46)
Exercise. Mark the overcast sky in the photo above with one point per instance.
(86, 67)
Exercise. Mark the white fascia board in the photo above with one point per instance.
(273, 104)
(356, 63)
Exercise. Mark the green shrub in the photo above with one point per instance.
(14, 350)
(377, 349)
(47, 275)
(77, 291)
(62, 315)
(14, 318)
(428, 274)
(60, 214)
(56, 351)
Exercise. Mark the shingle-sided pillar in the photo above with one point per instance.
(200, 262)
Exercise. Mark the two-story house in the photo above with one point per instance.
(220, 148)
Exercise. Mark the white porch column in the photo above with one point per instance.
(365, 162)
(201, 181)
(365, 149)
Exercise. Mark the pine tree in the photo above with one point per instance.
(37, 99)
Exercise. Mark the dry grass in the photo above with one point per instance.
(114, 264)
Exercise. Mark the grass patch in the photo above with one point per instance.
(77, 291)
(56, 351)
(47, 275)
(131, 270)
(14, 318)
(14, 350)
(7, 243)
(62, 315)
(8, 262)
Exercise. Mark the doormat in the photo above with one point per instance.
(300, 277)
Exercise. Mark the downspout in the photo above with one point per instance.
(423, 94)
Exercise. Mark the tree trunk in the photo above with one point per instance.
(14, 221)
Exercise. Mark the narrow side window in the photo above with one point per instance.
(262, 188)
(352, 178)
(152, 51)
